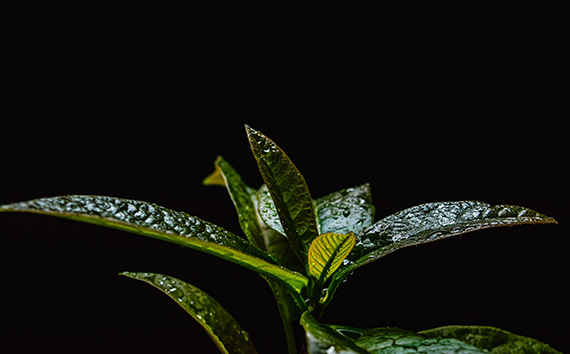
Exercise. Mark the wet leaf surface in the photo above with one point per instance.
(226, 333)
(158, 222)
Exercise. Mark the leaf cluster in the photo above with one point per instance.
(304, 248)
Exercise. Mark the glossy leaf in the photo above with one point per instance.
(267, 210)
(242, 196)
(427, 223)
(492, 339)
(396, 341)
(288, 190)
(251, 206)
(226, 333)
(327, 253)
(321, 339)
(168, 225)
(348, 210)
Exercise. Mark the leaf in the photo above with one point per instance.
(288, 190)
(396, 341)
(241, 195)
(267, 210)
(226, 333)
(321, 339)
(348, 210)
(327, 253)
(168, 225)
(496, 341)
(427, 223)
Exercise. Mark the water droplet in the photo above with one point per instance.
(346, 213)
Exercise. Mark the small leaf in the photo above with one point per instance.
(492, 339)
(327, 253)
(267, 210)
(164, 224)
(241, 195)
(321, 339)
(288, 190)
(348, 210)
(226, 333)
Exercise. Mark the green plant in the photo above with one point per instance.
(304, 249)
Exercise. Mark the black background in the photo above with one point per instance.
(136, 100)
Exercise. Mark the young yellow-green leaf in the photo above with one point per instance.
(152, 220)
(288, 190)
(494, 340)
(226, 333)
(327, 253)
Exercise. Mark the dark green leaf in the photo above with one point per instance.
(399, 341)
(321, 339)
(496, 341)
(242, 197)
(168, 225)
(288, 190)
(226, 333)
(431, 222)
(348, 210)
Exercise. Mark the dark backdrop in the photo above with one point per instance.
(136, 100)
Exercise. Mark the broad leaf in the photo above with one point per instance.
(348, 210)
(492, 339)
(321, 339)
(241, 194)
(396, 341)
(226, 333)
(427, 223)
(288, 190)
(327, 253)
(168, 225)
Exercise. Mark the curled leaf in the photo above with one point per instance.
(327, 253)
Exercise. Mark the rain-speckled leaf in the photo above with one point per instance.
(241, 195)
(288, 190)
(158, 222)
(494, 340)
(267, 210)
(226, 333)
(254, 210)
(327, 253)
(348, 210)
(430, 222)
(321, 339)
(400, 341)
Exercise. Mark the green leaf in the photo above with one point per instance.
(267, 210)
(288, 190)
(427, 223)
(396, 341)
(496, 341)
(241, 195)
(253, 207)
(348, 210)
(168, 225)
(321, 339)
(327, 253)
(226, 333)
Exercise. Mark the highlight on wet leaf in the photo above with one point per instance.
(327, 252)
(226, 333)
